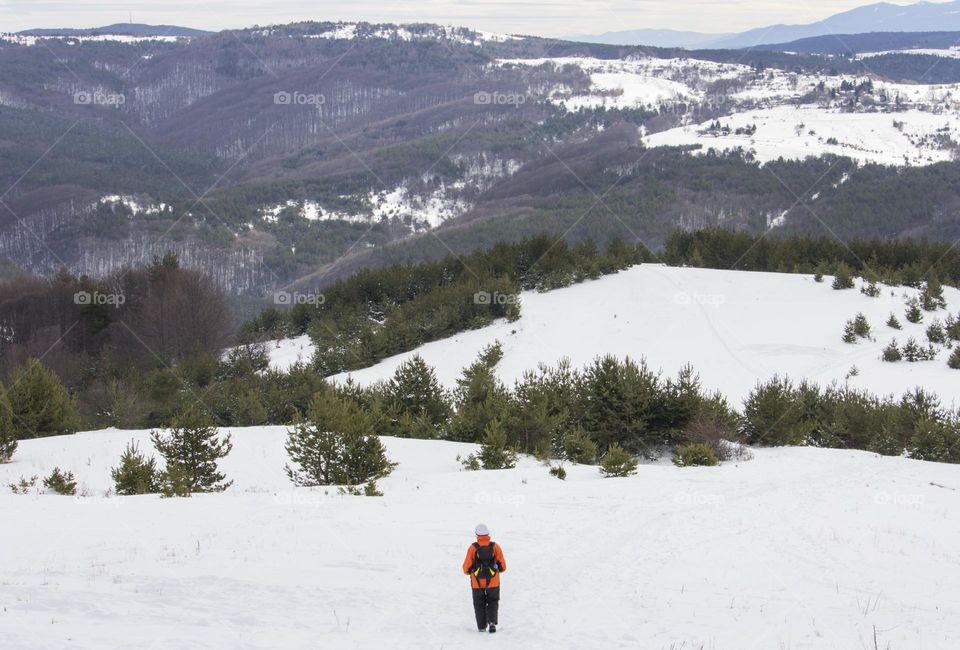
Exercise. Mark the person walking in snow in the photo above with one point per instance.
(484, 564)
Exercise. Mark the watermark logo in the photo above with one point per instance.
(682, 106)
(484, 98)
(899, 499)
(699, 499)
(499, 499)
(296, 98)
(702, 299)
(295, 498)
(99, 98)
(495, 298)
(95, 298)
(288, 299)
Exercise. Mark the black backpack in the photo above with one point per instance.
(484, 562)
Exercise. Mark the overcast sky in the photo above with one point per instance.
(540, 17)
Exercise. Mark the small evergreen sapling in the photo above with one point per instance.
(40, 403)
(954, 360)
(849, 334)
(932, 297)
(23, 486)
(843, 278)
(894, 323)
(494, 453)
(952, 326)
(335, 445)
(8, 438)
(136, 474)
(871, 290)
(861, 327)
(618, 462)
(578, 447)
(191, 451)
(892, 352)
(694, 455)
(936, 334)
(914, 315)
(61, 482)
(914, 352)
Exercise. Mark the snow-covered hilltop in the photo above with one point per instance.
(734, 327)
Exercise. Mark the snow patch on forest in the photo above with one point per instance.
(910, 137)
(136, 205)
(30, 41)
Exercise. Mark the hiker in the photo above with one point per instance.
(484, 563)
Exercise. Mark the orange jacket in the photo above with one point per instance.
(484, 540)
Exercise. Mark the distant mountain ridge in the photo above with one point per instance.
(862, 43)
(120, 29)
(653, 38)
(878, 17)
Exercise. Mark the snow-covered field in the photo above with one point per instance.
(735, 327)
(796, 548)
(910, 138)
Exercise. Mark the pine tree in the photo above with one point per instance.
(618, 462)
(494, 453)
(41, 406)
(616, 403)
(914, 315)
(936, 333)
(861, 327)
(335, 445)
(578, 447)
(894, 323)
(535, 419)
(954, 360)
(892, 353)
(871, 290)
(952, 326)
(136, 474)
(414, 389)
(8, 438)
(849, 333)
(191, 451)
(480, 397)
(912, 352)
(60, 482)
(932, 297)
(843, 278)
(775, 414)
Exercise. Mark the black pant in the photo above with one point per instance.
(486, 605)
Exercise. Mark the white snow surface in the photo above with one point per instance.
(29, 41)
(927, 115)
(735, 327)
(284, 353)
(795, 548)
(911, 137)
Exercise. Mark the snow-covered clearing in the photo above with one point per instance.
(907, 138)
(735, 327)
(796, 548)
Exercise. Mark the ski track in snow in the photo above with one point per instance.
(798, 548)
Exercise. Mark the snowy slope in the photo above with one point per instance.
(927, 116)
(735, 327)
(796, 548)
(905, 138)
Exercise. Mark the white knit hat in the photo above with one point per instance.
(481, 530)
